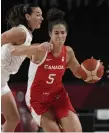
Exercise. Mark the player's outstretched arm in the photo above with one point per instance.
(72, 63)
(31, 50)
(14, 36)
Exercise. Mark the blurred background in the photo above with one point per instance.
(88, 22)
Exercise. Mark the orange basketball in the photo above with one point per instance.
(91, 70)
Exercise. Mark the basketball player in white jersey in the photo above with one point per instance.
(23, 19)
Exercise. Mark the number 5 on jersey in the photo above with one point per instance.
(51, 78)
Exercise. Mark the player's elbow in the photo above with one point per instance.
(4, 39)
(14, 52)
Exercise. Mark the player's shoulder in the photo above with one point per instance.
(19, 34)
(69, 49)
(17, 30)
(70, 52)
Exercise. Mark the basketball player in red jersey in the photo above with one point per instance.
(46, 96)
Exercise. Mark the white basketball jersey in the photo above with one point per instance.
(12, 63)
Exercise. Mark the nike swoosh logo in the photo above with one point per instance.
(48, 59)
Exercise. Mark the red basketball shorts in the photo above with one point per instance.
(59, 103)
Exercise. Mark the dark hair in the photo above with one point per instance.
(16, 15)
(54, 17)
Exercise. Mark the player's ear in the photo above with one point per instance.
(27, 16)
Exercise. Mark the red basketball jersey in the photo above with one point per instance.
(47, 76)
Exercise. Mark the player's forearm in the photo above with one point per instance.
(77, 73)
(25, 50)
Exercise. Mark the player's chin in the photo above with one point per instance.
(38, 26)
(60, 43)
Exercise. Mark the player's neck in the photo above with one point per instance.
(30, 29)
(56, 51)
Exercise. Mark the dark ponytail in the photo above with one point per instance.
(16, 15)
(54, 17)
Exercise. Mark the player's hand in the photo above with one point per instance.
(46, 46)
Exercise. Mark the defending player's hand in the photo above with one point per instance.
(46, 46)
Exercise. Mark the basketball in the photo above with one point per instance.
(91, 70)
